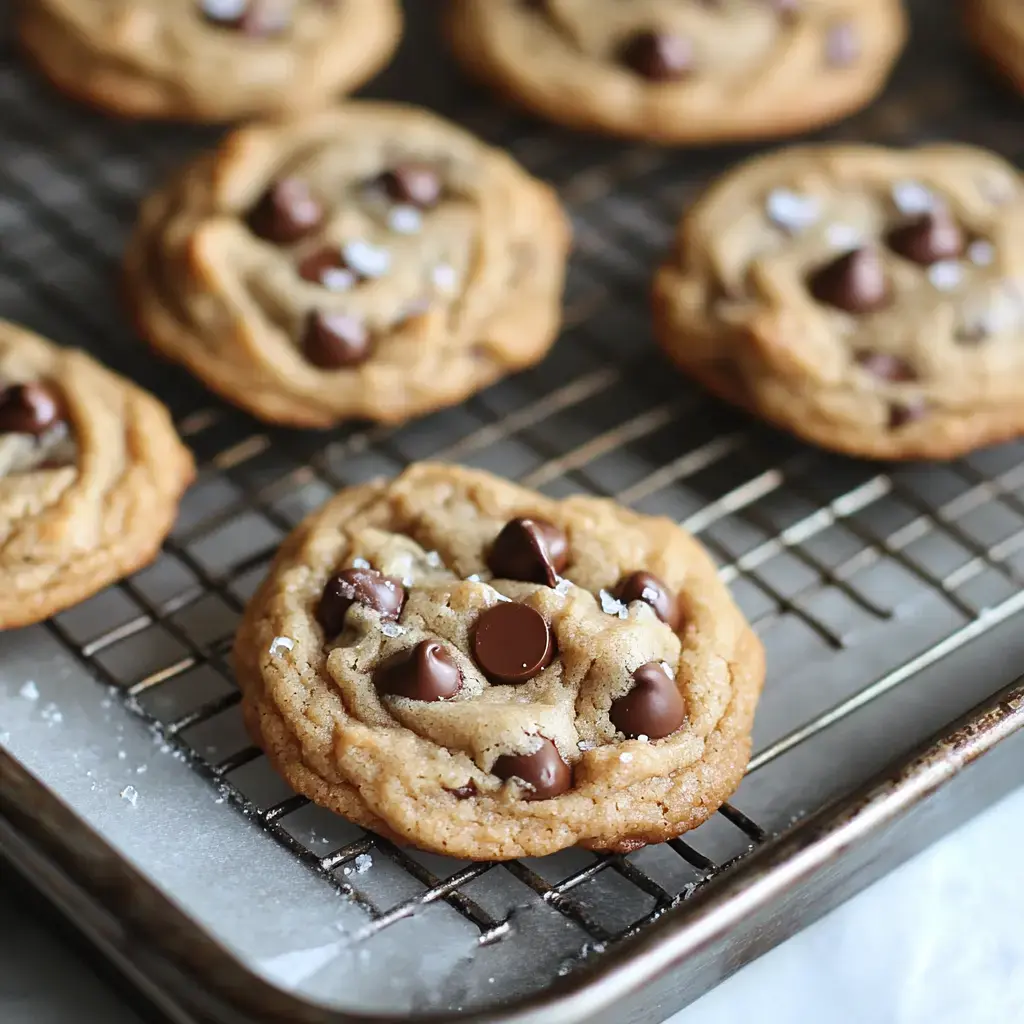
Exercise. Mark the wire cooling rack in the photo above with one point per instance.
(889, 598)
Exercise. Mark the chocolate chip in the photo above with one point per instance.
(886, 367)
(909, 411)
(383, 594)
(418, 185)
(855, 282)
(334, 340)
(425, 672)
(28, 409)
(327, 267)
(544, 771)
(464, 792)
(512, 643)
(646, 587)
(286, 212)
(531, 550)
(658, 56)
(842, 45)
(928, 239)
(265, 18)
(653, 707)
(972, 334)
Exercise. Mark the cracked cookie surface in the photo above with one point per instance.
(683, 70)
(869, 300)
(997, 28)
(462, 664)
(91, 471)
(372, 262)
(209, 60)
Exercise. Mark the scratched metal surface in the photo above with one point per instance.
(860, 578)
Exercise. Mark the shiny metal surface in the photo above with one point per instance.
(890, 600)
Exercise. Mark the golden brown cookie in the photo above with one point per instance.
(373, 262)
(209, 60)
(683, 70)
(997, 28)
(470, 667)
(867, 299)
(91, 471)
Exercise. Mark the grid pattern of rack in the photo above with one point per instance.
(864, 571)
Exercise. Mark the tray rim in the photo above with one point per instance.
(221, 987)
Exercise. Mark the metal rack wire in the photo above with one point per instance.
(863, 574)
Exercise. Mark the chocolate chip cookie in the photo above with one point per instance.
(209, 60)
(368, 262)
(997, 28)
(464, 665)
(683, 70)
(870, 300)
(91, 471)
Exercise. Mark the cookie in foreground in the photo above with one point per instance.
(464, 665)
(91, 471)
(209, 60)
(682, 72)
(373, 261)
(997, 28)
(869, 300)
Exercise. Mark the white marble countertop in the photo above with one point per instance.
(939, 941)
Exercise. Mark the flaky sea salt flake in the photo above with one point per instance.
(981, 253)
(563, 586)
(392, 629)
(405, 220)
(280, 644)
(363, 863)
(366, 259)
(612, 605)
(131, 794)
(360, 563)
(29, 691)
(912, 198)
(946, 275)
(791, 210)
(445, 278)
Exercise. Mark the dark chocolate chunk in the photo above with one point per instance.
(334, 340)
(886, 367)
(418, 185)
(908, 411)
(384, 594)
(855, 282)
(544, 771)
(646, 587)
(658, 56)
(653, 708)
(29, 409)
(531, 550)
(286, 212)
(425, 672)
(512, 643)
(464, 792)
(928, 239)
(842, 45)
(326, 266)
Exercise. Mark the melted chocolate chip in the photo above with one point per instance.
(425, 672)
(327, 267)
(29, 409)
(855, 282)
(658, 56)
(886, 367)
(842, 45)
(464, 792)
(383, 594)
(928, 239)
(286, 212)
(531, 550)
(544, 771)
(512, 643)
(646, 587)
(334, 340)
(417, 185)
(259, 18)
(654, 707)
(909, 411)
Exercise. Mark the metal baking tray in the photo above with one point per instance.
(889, 599)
